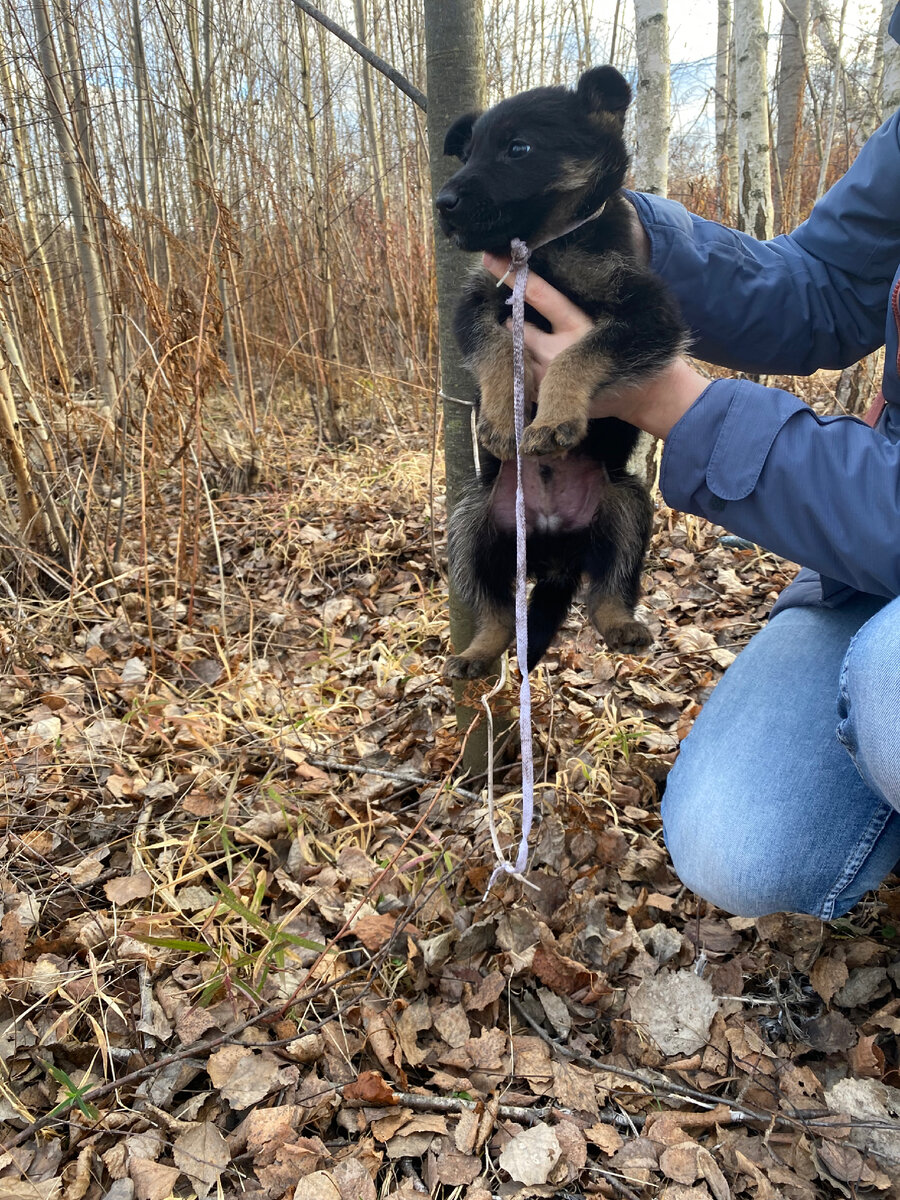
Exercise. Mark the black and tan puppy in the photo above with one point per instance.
(547, 166)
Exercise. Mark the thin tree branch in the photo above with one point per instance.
(363, 51)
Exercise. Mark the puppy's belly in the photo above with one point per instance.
(561, 493)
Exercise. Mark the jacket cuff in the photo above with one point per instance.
(666, 223)
(716, 452)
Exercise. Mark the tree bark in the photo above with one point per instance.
(454, 42)
(789, 92)
(755, 188)
(837, 83)
(11, 93)
(76, 177)
(723, 107)
(329, 402)
(652, 120)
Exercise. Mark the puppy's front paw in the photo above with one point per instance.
(498, 438)
(496, 411)
(561, 420)
(540, 439)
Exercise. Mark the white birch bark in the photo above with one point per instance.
(755, 188)
(652, 119)
(722, 98)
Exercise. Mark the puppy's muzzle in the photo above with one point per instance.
(448, 200)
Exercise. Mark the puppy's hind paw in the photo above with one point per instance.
(628, 636)
(457, 666)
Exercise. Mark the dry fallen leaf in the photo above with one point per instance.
(531, 1155)
(320, 1185)
(606, 1137)
(370, 1088)
(244, 1077)
(676, 1009)
(202, 1154)
(152, 1181)
(870, 1102)
(128, 887)
(828, 975)
(353, 1180)
(26, 1189)
(679, 1163)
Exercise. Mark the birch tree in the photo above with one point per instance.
(652, 119)
(754, 213)
(790, 88)
(837, 82)
(726, 127)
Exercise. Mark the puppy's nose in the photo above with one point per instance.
(447, 200)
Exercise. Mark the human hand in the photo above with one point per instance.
(568, 322)
(654, 405)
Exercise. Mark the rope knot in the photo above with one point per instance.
(518, 253)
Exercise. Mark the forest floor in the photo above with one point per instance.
(244, 945)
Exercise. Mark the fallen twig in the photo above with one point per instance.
(327, 764)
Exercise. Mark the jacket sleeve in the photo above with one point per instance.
(760, 462)
(814, 298)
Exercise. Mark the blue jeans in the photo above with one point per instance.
(786, 794)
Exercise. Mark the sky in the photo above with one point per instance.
(692, 25)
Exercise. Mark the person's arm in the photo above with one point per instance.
(814, 298)
(823, 492)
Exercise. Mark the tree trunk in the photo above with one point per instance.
(755, 188)
(76, 180)
(454, 42)
(837, 82)
(652, 122)
(328, 400)
(789, 92)
(11, 93)
(723, 108)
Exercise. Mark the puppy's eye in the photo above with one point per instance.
(518, 149)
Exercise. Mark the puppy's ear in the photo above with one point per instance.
(603, 89)
(457, 136)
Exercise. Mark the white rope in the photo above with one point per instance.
(519, 263)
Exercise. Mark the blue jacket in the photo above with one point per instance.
(824, 492)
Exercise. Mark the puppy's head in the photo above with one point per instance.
(535, 164)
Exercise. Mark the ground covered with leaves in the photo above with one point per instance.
(245, 947)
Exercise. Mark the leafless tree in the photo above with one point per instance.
(652, 122)
(755, 189)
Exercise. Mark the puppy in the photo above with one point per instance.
(547, 166)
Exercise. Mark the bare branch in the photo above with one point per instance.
(363, 51)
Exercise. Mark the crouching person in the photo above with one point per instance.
(786, 794)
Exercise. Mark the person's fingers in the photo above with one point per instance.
(558, 309)
(541, 346)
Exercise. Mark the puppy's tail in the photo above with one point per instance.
(547, 608)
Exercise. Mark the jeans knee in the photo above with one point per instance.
(723, 860)
(726, 853)
(868, 698)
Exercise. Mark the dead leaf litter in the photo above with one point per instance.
(243, 945)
